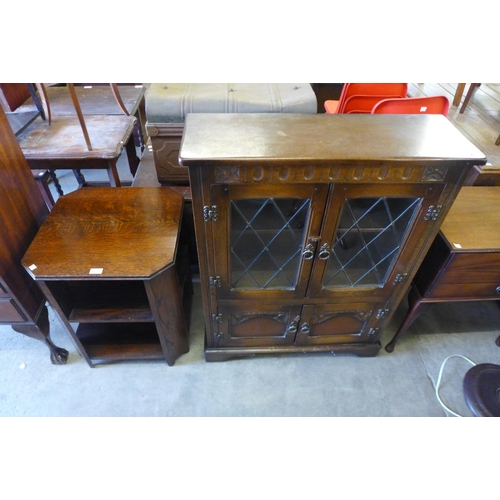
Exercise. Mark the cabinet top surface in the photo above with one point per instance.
(109, 233)
(473, 222)
(247, 137)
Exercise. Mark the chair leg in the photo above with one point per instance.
(497, 142)
(458, 94)
(472, 88)
(114, 179)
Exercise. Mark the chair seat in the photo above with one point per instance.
(63, 139)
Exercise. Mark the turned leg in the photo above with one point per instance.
(416, 308)
(40, 331)
(55, 181)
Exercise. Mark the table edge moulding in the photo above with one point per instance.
(109, 259)
(314, 170)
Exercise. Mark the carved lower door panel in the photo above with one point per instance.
(339, 323)
(263, 325)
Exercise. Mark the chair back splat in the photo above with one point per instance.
(436, 105)
(369, 94)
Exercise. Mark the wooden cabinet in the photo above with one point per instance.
(22, 210)
(309, 228)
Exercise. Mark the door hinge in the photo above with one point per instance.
(215, 282)
(217, 318)
(382, 313)
(210, 213)
(400, 278)
(373, 331)
(433, 212)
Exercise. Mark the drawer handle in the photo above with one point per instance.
(497, 289)
(292, 327)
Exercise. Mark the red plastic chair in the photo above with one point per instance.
(364, 103)
(435, 105)
(383, 90)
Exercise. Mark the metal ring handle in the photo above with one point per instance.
(324, 252)
(308, 253)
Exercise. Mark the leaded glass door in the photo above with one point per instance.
(368, 237)
(262, 237)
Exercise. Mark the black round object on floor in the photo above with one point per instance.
(482, 390)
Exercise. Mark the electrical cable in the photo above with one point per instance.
(439, 381)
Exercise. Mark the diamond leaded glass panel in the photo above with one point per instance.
(370, 233)
(266, 240)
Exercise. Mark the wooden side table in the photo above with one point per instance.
(108, 259)
(463, 263)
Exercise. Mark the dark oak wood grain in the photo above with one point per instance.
(463, 263)
(241, 165)
(108, 260)
(22, 210)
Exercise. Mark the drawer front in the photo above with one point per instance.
(471, 291)
(478, 267)
(9, 312)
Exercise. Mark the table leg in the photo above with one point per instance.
(133, 160)
(416, 308)
(166, 304)
(55, 180)
(40, 331)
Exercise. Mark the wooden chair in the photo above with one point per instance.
(12, 98)
(99, 99)
(74, 142)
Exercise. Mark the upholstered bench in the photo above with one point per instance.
(167, 105)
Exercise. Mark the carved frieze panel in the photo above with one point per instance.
(337, 173)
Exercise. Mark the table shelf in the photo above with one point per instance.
(120, 341)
